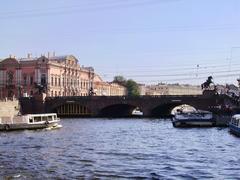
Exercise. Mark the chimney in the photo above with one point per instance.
(12, 56)
(29, 55)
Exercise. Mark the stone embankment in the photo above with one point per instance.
(9, 108)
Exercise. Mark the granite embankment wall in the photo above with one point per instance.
(9, 108)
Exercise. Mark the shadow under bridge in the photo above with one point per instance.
(118, 110)
(72, 109)
(166, 110)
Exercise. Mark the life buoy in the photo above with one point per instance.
(6, 127)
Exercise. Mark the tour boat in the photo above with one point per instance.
(234, 125)
(193, 118)
(29, 121)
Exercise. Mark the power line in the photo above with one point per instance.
(187, 69)
(190, 79)
(79, 9)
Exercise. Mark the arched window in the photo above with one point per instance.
(43, 79)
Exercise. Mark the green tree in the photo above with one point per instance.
(132, 88)
(131, 85)
(120, 80)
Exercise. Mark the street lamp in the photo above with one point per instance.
(231, 57)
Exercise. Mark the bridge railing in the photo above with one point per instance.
(121, 97)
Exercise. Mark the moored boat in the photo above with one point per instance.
(196, 118)
(29, 121)
(234, 125)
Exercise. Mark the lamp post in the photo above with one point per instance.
(231, 57)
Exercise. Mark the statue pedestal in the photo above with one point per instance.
(209, 92)
(40, 97)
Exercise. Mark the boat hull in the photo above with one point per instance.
(234, 130)
(25, 126)
(193, 122)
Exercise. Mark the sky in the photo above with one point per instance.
(149, 41)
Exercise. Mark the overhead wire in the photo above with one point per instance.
(79, 9)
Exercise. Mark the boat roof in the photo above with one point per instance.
(236, 116)
(44, 114)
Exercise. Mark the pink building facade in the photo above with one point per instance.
(53, 75)
(56, 76)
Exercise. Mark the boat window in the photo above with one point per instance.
(49, 118)
(55, 117)
(30, 120)
(235, 121)
(37, 119)
(44, 118)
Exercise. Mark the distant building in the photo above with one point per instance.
(102, 88)
(54, 75)
(142, 89)
(172, 89)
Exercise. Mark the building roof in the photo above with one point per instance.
(62, 58)
(27, 59)
(53, 58)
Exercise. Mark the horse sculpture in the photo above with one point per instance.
(207, 83)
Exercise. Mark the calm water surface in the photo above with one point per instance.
(120, 149)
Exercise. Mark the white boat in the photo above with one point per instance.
(29, 121)
(193, 118)
(234, 125)
(137, 112)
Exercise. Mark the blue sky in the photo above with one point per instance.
(150, 41)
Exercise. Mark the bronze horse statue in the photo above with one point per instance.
(207, 83)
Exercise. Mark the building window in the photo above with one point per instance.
(52, 81)
(25, 80)
(31, 80)
(59, 81)
(55, 81)
(10, 77)
(51, 93)
(43, 79)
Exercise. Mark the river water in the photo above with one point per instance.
(120, 149)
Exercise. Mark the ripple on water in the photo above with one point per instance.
(119, 149)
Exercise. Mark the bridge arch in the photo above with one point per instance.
(72, 109)
(166, 110)
(119, 110)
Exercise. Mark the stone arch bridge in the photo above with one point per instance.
(122, 106)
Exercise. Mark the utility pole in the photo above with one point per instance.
(231, 58)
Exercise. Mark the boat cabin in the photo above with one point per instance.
(235, 120)
(41, 118)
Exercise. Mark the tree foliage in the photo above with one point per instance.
(132, 88)
(131, 85)
(120, 80)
